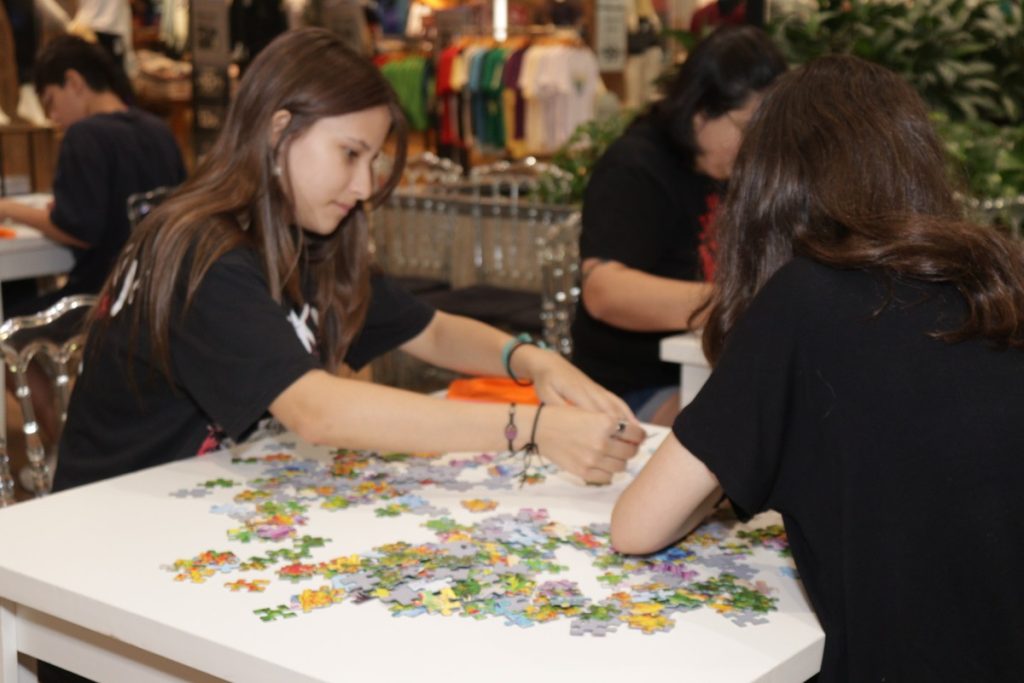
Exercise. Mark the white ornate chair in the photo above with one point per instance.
(55, 337)
(141, 203)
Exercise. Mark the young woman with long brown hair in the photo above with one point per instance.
(868, 384)
(240, 293)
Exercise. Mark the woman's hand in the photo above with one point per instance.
(560, 383)
(593, 446)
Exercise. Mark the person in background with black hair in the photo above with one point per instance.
(109, 151)
(868, 384)
(647, 245)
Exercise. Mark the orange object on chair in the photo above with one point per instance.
(497, 389)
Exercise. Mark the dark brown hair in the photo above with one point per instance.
(235, 199)
(96, 67)
(841, 164)
(723, 71)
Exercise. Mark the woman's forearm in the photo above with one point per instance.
(637, 301)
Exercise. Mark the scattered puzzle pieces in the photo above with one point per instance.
(274, 613)
(499, 567)
(255, 586)
(218, 483)
(480, 504)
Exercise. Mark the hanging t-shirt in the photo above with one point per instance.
(643, 208)
(493, 116)
(411, 81)
(415, 16)
(515, 105)
(533, 98)
(895, 460)
(447, 97)
(232, 354)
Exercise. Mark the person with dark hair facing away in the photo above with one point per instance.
(868, 383)
(647, 243)
(109, 151)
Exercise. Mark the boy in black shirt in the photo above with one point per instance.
(109, 152)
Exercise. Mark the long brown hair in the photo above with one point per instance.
(840, 164)
(235, 199)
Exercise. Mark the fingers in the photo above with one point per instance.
(551, 395)
(591, 445)
(620, 408)
(615, 453)
(604, 468)
(629, 433)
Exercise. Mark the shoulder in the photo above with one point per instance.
(240, 259)
(799, 281)
(114, 125)
(806, 290)
(238, 266)
(236, 278)
(89, 128)
(139, 117)
(643, 149)
(638, 141)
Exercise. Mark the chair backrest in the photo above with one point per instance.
(429, 169)
(536, 181)
(55, 336)
(560, 282)
(141, 203)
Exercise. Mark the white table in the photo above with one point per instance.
(85, 583)
(29, 254)
(694, 369)
(26, 255)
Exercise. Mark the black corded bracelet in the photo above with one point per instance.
(511, 431)
(531, 448)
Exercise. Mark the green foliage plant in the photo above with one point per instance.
(965, 58)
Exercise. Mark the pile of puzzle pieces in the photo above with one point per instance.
(493, 568)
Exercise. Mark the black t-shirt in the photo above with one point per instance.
(102, 160)
(896, 460)
(646, 208)
(234, 352)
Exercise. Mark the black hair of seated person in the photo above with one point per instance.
(723, 71)
(97, 68)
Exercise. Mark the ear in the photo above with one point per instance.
(278, 122)
(74, 81)
(699, 119)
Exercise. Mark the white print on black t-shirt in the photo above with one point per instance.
(128, 288)
(304, 324)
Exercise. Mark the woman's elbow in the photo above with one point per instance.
(598, 303)
(631, 536)
(302, 411)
